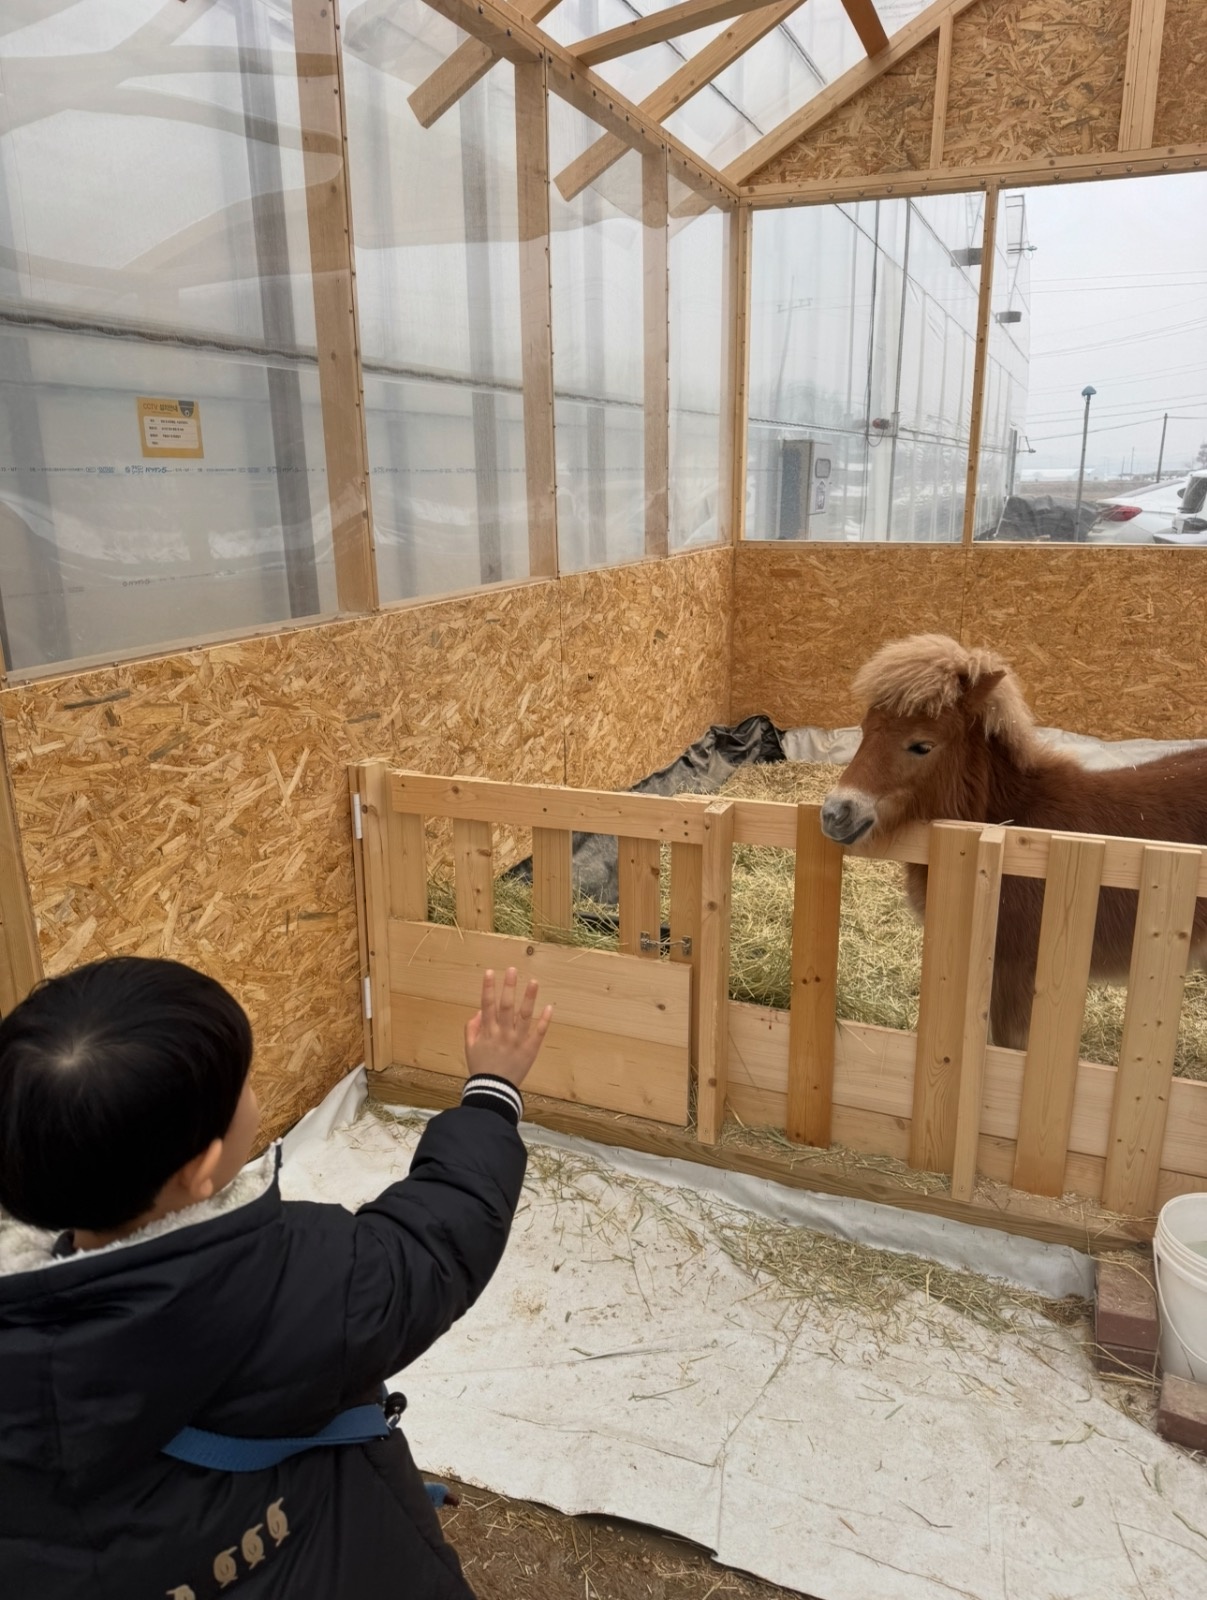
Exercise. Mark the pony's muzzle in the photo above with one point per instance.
(846, 816)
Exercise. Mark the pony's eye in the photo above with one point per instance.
(921, 748)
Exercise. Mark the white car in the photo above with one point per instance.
(1138, 516)
(1190, 524)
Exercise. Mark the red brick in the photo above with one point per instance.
(1182, 1416)
(1124, 1363)
(1125, 1309)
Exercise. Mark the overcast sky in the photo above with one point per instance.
(1118, 301)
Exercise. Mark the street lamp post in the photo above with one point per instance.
(1087, 394)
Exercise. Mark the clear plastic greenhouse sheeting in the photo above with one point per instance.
(438, 289)
(863, 341)
(698, 321)
(1096, 286)
(597, 253)
(162, 470)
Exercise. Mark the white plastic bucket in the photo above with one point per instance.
(1180, 1263)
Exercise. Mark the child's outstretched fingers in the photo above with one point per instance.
(503, 1039)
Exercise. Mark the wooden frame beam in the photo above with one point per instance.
(815, 111)
(735, 403)
(1036, 172)
(469, 62)
(938, 124)
(1140, 74)
(865, 19)
(660, 26)
(508, 33)
(333, 276)
(980, 362)
(678, 89)
(536, 315)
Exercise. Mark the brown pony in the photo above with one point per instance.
(947, 734)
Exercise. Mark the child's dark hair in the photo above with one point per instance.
(112, 1078)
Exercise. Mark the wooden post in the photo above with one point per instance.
(712, 971)
(374, 789)
(986, 892)
(816, 910)
(20, 956)
(1141, 74)
(687, 889)
(735, 403)
(1160, 953)
(656, 306)
(552, 881)
(950, 884)
(639, 870)
(473, 875)
(1062, 975)
(359, 879)
(536, 313)
(981, 362)
(332, 269)
(938, 126)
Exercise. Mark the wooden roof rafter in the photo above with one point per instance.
(659, 26)
(507, 33)
(694, 75)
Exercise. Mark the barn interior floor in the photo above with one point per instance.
(837, 1419)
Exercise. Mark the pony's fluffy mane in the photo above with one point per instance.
(928, 673)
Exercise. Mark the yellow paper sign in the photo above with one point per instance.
(170, 428)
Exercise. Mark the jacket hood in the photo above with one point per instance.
(106, 1354)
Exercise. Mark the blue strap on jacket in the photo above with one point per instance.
(223, 1452)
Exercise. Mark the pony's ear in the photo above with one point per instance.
(976, 694)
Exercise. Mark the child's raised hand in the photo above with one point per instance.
(502, 1039)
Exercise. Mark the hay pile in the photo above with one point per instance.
(880, 945)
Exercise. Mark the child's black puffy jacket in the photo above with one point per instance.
(263, 1319)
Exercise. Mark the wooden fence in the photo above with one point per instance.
(633, 1028)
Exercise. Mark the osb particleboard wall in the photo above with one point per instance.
(1028, 78)
(196, 805)
(1044, 77)
(1181, 99)
(885, 129)
(1107, 642)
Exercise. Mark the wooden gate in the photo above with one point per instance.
(630, 1026)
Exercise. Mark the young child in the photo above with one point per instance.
(151, 1283)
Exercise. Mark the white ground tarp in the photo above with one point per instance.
(625, 1360)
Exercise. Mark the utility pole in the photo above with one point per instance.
(1088, 394)
(1161, 455)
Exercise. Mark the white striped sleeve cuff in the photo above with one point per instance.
(491, 1093)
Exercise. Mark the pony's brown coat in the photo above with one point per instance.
(987, 764)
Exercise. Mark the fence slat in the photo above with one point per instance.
(712, 971)
(951, 880)
(687, 868)
(552, 883)
(407, 850)
(473, 871)
(1160, 953)
(373, 781)
(815, 917)
(982, 939)
(362, 908)
(526, 805)
(1062, 975)
(639, 865)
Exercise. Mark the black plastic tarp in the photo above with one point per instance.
(703, 768)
